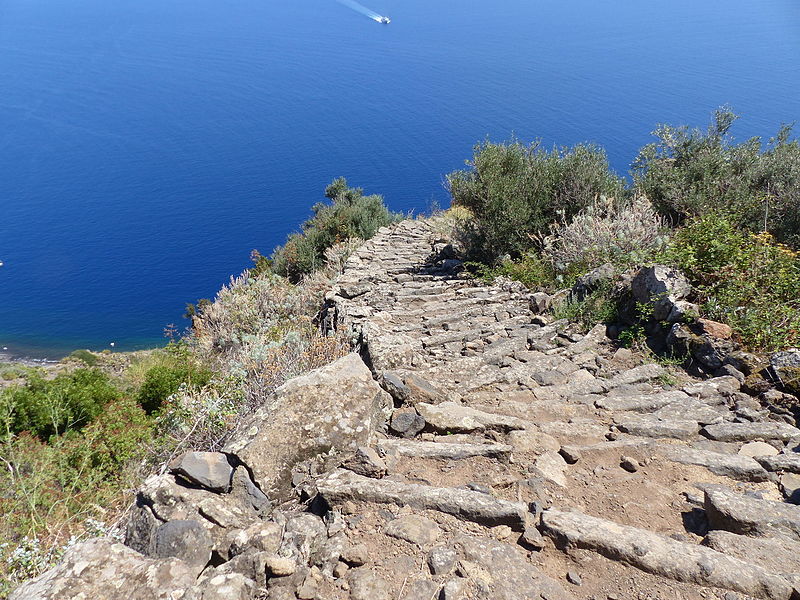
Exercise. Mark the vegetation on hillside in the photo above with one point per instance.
(73, 446)
(726, 213)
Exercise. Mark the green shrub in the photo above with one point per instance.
(46, 408)
(691, 173)
(161, 381)
(746, 280)
(621, 233)
(530, 270)
(598, 306)
(515, 192)
(86, 357)
(350, 215)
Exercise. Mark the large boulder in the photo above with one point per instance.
(334, 408)
(103, 570)
(666, 290)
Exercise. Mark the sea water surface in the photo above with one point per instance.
(146, 146)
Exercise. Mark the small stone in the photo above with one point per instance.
(441, 560)
(757, 449)
(453, 589)
(631, 465)
(406, 423)
(532, 538)
(278, 566)
(365, 585)
(307, 591)
(187, 540)
(501, 532)
(570, 454)
(355, 555)
(574, 578)
(416, 530)
(367, 462)
(341, 569)
(210, 470)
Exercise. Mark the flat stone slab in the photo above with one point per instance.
(210, 470)
(340, 486)
(103, 570)
(664, 556)
(692, 410)
(745, 432)
(637, 375)
(729, 465)
(782, 462)
(653, 427)
(778, 555)
(640, 402)
(455, 418)
(751, 516)
(444, 450)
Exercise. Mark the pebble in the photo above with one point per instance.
(574, 578)
(631, 465)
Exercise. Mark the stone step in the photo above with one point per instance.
(730, 465)
(451, 451)
(751, 516)
(664, 556)
(341, 486)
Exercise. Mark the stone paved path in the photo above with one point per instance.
(532, 428)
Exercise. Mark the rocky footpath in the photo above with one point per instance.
(472, 448)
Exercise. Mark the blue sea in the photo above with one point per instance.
(146, 146)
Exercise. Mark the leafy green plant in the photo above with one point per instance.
(52, 407)
(748, 281)
(84, 356)
(351, 214)
(691, 173)
(515, 192)
(598, 306)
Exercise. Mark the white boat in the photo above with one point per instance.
(384, 20)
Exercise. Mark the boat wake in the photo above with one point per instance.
(360, 8)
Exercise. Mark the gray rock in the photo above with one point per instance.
(99, 569)
(778, 555)
(532, 441)
(210, 470)
(231, 586)
(571, 454)
(393, 383)
(421, 390)
(663, 556)
(745, 432)
(367, 462)
(652, 426)
(453, 589)
(406, 423)
(751, 516)
(540, 302)
(454, 418)
(414, 529)
(551, 466)
(366, 585)
(248, 491)
(278, 566)
(789, 462)
(531, 538)
(444, 450)
(641, 402)
(341, 486)
(505, 571)
(661, 287)
(355, 555)
(186, 540)
(574, 578)
(637, 375)
(441, 560)
(757, 449)
(421, 589)
(787, 358)
(629, 464)
(739, 467)
(335, 407)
